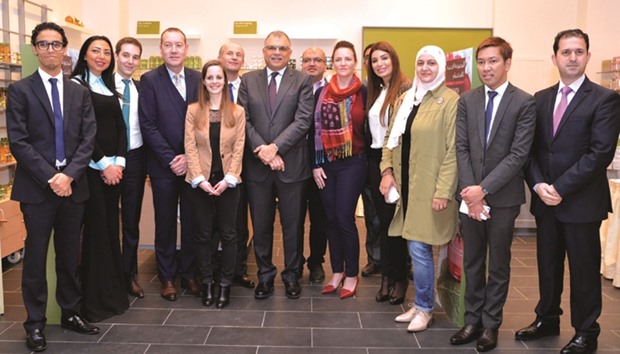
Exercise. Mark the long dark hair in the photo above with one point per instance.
(81, 68)
(375, 83)
(226, 105)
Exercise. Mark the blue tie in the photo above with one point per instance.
(488, 116)
(58, 124)
(126, 108)
(230, 92)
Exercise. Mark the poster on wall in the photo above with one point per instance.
(459, 66)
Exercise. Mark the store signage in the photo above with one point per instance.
(245, 27)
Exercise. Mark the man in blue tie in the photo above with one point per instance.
(128, 52)
(494, 132)
(51, 127)
(232, 57)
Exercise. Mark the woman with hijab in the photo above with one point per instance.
(386, 83)
(419, 163)
(340, 165)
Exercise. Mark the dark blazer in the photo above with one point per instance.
(499, 168)
(162, 117)
(575, 159)
(30, 126)
(286, 126)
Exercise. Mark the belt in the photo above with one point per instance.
(61, 168)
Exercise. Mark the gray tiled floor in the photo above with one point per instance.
(313, 324)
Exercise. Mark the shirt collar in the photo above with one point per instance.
(500, 90)
(172, 73)
(236, 82)
(118, 79)
(281, 71)
(46, 77)
(575, 85)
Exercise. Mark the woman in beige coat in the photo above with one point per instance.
(214, 140)
(419, 162)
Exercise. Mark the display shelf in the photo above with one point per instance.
(77, 29)
(609, 72)
(10, 66)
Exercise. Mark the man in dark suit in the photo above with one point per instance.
(232, 57)
(51, 127)
(128, 52)
(165, 93)
(278, 107)
(494, 132)
(575, 140)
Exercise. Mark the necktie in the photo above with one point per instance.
(58, 124)
(180, 83)
(272, 90)
(488, 116)
(126, 106)
(230, 92)
(559, 111)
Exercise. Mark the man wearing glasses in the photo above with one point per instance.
(278, 107)
(314, 63)
(51, 127)
(165, 93)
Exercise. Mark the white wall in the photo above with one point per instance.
(529, 25)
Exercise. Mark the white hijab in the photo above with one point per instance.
(415, 95)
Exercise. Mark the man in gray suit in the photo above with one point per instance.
(278, 106)
(492, 146)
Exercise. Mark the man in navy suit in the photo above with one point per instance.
(49, 181)
(165, 93)
(128, 52)
(575, 140)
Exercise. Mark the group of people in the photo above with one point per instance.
(214, 144)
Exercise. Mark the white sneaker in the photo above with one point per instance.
(407, 316)
(420, 321)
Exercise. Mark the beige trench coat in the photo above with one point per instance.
(432, 170)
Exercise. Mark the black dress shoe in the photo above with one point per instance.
(580, 345)
(539, 329)
(371, 269)
(293, 289)
(386, 288)
(263, 290)
(487, 340)
(244, 281)
(35, 340)
(78, 324)
(466, 334)
(207, 294)
(317, 274)
(224, 297)
(397, 296)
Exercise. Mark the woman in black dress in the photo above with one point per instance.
(103, 287)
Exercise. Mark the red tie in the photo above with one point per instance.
(559, 111)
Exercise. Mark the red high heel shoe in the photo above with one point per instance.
(345, 293)
(328, 289)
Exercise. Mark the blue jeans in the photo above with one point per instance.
(423, 275)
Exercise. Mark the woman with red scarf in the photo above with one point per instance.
(340, 165)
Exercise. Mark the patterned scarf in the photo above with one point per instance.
(333, 134)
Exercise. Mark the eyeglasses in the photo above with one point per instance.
(314, 60)
(44, 45)
(273, 48)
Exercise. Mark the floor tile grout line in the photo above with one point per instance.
(262, 325)
(104, 334)
(208, 334)
(167, 318)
